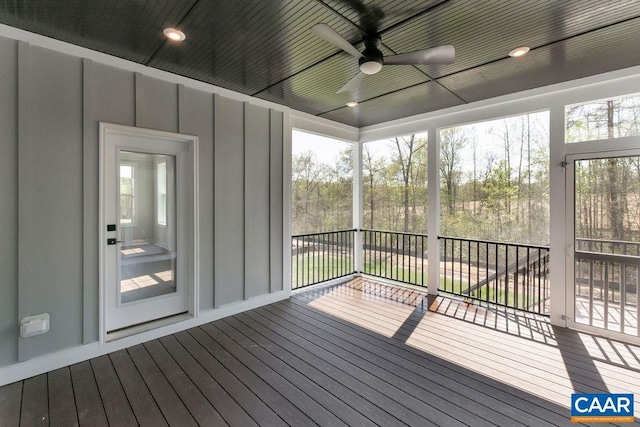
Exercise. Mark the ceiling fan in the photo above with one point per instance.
(371, 59)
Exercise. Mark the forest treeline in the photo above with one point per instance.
(494, 180)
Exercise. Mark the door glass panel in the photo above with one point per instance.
(607, 243)
(147, 200)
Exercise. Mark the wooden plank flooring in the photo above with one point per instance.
(360, 353)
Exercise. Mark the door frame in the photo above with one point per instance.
(570, 223)
(192, 285)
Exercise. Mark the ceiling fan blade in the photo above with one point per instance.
(437, 55)
(353, 83)
(329, 34)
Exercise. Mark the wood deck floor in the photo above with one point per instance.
(355, 354)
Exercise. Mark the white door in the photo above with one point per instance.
(603, 214)
(148, 223)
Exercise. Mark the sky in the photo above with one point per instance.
(326, 150)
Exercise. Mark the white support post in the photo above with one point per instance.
(558, 246)
(357, 207)
(287, 160)
(433, 204)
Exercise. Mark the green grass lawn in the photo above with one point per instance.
(401, 274)
(313, 269)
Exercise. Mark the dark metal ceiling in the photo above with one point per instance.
(265, 48)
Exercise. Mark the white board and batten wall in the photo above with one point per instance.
(51, 104)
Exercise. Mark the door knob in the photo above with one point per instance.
(112, 241)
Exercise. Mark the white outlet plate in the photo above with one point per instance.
(31, 326)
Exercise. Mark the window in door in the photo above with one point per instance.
(127, 193)
(161, 177)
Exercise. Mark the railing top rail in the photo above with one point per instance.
(320, 233)
(491, 242)
(597, 256)
(582, 239)
(394, 232)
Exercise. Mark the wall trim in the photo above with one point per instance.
(24, 191)
(60, 359)
(324, 127)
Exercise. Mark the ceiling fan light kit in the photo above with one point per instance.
(371, 60)
(370, 66)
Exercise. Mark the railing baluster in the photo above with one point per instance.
(366, 238)
(415, 261)
(469, 265)
(527, 278)
(403, 258)
(313, 261)
(486, 266)
(336, 255)
(341, 237)
(606, 293)
(637, 269)
(451, 268)
(422, 258)
(539, 264)
(460, 264)
(506, 275)
(516, 298)
(444, 255)
(304, 253)
(591, 264)
(623, 297)
(378, 246)
(391, 265)
(497, 294)
(325, 258)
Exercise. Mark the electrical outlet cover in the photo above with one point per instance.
(31, 326)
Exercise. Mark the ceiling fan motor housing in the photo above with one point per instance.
(371, 61)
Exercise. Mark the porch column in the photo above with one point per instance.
(558, 246)
(357, 206)
(433, 204)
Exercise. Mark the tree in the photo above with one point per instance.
(452, 142)
(407, 147)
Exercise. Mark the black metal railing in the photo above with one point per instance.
(605, 246)
(505, 274)
(318, 257)
(607, 280)
(401, 257)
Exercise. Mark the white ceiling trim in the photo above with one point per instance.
(324, 127)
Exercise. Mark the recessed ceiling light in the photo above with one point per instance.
(173, 34)
(352, 104)
(519, 51)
